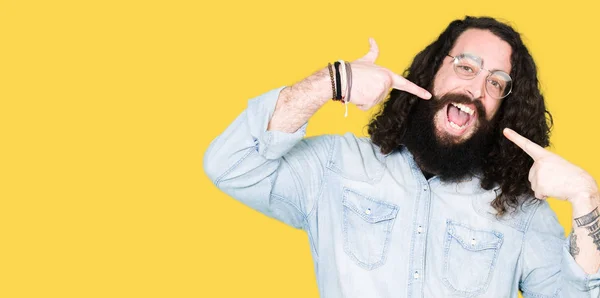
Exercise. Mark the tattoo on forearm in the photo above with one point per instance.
(588, 218)
(596, 238)
(574, 250)
(591, 222)
(594, 227)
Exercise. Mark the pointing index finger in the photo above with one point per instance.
(532, 149)
(401, 83)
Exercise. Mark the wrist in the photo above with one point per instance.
(305, 96)
(585, 202)
(317, 87)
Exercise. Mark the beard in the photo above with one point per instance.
(439, 153)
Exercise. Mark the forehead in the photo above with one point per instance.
(494, 51)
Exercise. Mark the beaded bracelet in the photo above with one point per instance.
(332, 80)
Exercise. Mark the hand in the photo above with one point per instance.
(551, 175)
(371, 83)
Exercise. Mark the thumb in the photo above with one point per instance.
(371, 56)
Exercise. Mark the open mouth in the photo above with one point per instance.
(460, 117)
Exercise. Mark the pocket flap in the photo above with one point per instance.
(474, 240)
(369, 209)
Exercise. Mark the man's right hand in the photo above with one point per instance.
(371, 83)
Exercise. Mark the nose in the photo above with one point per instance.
(476, 86)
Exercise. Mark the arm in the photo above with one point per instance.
(273, 172)
(585, 237)
(553, 176)
(262, 158)
(299, 102)
(548, 270)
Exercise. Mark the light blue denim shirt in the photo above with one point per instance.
(378, 228)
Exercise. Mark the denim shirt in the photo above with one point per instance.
(378, 228)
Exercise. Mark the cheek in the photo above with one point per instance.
(439, 119)
(491, 108)
(439, 124)
(444, 82)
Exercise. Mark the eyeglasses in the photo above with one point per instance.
(498, 84)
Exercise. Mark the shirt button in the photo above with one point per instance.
(368, 211)
(420, 229)
(416, 275)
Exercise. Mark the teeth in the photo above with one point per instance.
(463, 108)
(454, 125)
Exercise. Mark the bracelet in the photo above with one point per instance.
(344, 82)
(344, 85)
(338, 81)
(349, 76)
(348, 85)
(341, 83)
(332, 80)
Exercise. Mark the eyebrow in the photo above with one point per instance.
(482, 61)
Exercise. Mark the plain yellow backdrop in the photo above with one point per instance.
(106, 109)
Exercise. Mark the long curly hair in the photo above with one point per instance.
(524, 110)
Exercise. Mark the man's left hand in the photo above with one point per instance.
(552, 175)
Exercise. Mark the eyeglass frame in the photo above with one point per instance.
(455, 58)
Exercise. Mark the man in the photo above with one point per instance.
(441, 200)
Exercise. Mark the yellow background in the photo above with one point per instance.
(106, 109)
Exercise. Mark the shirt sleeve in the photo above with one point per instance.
(276, 173)
(549, 270)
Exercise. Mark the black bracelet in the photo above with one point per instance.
(338, 81)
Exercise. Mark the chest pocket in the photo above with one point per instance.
(367, 225)
(469, 258)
